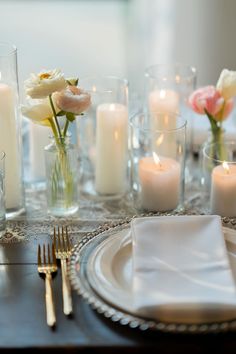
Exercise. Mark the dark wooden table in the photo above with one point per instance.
(23, 325)
(23, 321)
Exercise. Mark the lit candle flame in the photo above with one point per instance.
(162, 94)
(112, 107)
(225, 167)
(94, 88)
(156, 158)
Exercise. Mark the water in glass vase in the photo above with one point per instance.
(62, 177)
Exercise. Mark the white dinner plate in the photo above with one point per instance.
(101, 271)
(109, 268)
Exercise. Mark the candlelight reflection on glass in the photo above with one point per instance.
(157, 168)
(168, 87)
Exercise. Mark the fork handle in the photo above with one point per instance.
(51, 317)
(66, 289)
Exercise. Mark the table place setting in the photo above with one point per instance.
(169, 273)
(152, 223)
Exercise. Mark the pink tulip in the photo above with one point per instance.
(206, 98)
(225, 112)
(73, 100)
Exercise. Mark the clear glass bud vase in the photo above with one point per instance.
(62, 177)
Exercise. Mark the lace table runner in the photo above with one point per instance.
(90, 216)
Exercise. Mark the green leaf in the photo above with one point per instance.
(70, 116)
(61, 113)
(72, 82)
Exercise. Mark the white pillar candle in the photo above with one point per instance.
(38, 139)
(160, 183)
(161, 104)
(111, 148)
(9, 144)
(223, 190)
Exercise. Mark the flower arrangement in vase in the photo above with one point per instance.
(55, 102)
(216, 102)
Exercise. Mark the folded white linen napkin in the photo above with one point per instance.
(181, 271)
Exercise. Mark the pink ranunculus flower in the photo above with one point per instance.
(73, 100)
(206, 98)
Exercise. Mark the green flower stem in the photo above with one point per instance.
(55, 116)
(54, 128)
(217, 133)
(62, 172)
(61, 169)
(66, 127)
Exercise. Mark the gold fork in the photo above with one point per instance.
(63, 250)
(47, 267)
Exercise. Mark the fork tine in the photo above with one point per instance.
(54, 260)
(39, 256)
(59, 238)
(49, 258)
(63, 240)
(54, 238)
(68, 240)
(44, 254)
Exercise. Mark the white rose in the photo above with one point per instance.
(227, 84)
(45, 83)
(38, 111)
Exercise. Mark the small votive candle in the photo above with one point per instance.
(223, 190)
(160, 183)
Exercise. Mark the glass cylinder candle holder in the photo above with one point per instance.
(158, 162)
(103, 138)
(219, 178)
(168, 87)
(10, 129)
(2, 195)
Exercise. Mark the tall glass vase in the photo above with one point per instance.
(61, 177)
(10, 129)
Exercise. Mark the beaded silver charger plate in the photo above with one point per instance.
(98, 271)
